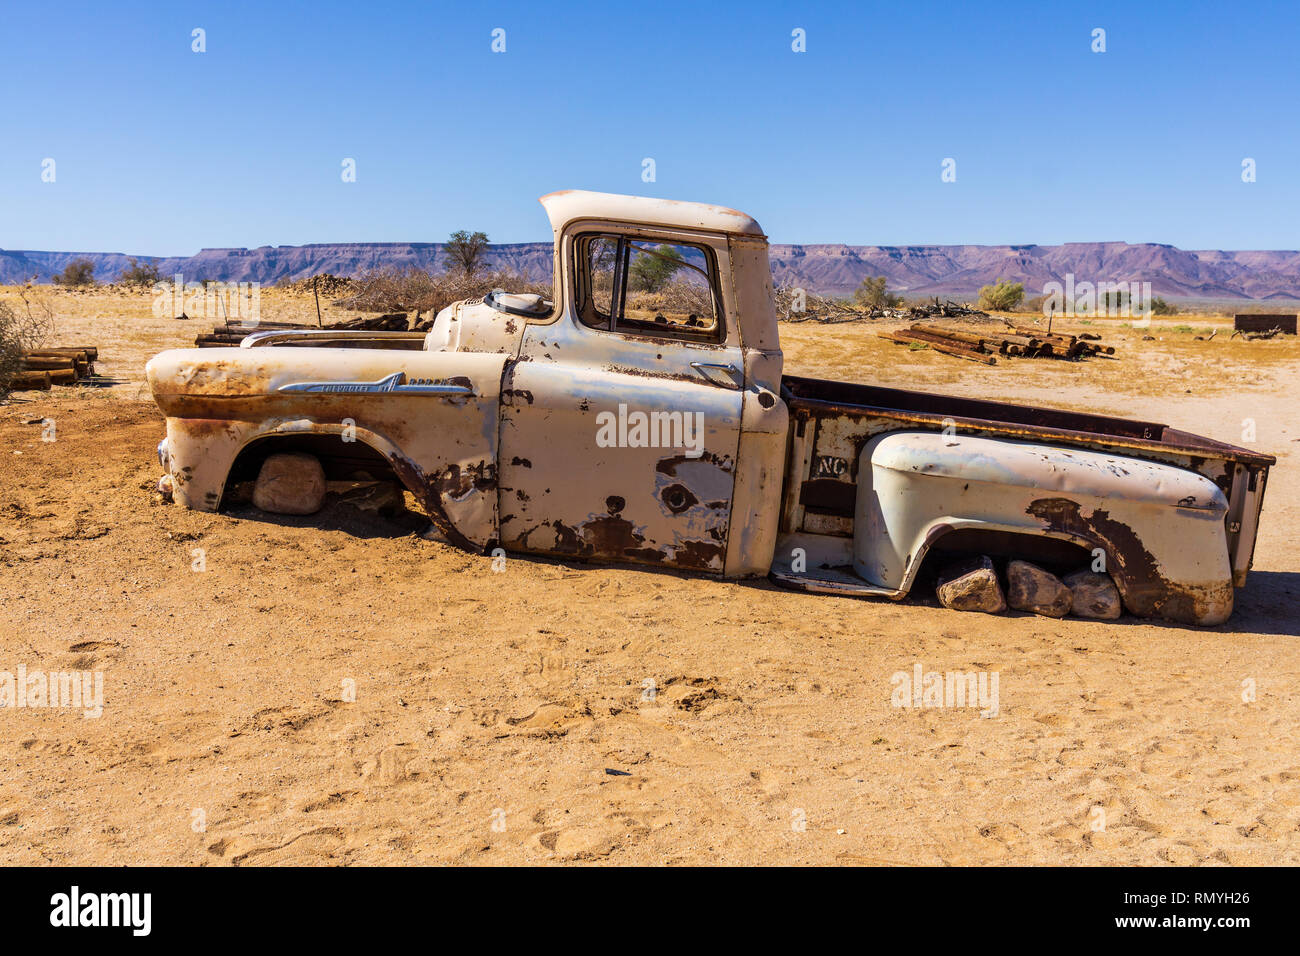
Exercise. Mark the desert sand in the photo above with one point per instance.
(747, 724)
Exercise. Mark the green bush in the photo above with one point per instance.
(141, 274)
(1003, 296)
(649, 271)
(873, 295)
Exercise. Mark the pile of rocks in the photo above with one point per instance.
(973, 585)
(322, 284)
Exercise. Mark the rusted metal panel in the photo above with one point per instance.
(564, 491)
(756, 507)
(828, 410)
(830, 397)
(474, 326)
(572, 486)
(1264, 321)
(441, 444)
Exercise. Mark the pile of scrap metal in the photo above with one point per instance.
(232, 333)
(947, 310)
(1253, 326)
(984, 346)
(799, 305)
(38, 369)
(1258, 336)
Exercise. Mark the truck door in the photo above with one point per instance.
(621, 418)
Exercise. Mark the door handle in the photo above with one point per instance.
(721, 366)
(728, 367)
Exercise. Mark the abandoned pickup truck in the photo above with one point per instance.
(641, 415)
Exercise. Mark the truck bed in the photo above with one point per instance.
(831, 421)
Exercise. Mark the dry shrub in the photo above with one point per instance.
(417, 290)
(22, 329)
(10, 348)
(819, 308)
(677, 296)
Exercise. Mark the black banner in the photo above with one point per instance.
(334, 906)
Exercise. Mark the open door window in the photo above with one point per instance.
(648, 287)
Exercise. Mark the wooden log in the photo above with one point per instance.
(80, 355)
(1046, 336)
(1047, 350)
(71, 354)
(41, 363)
(970, 338)
(238, 325)
(214, 340)
(1028, 342)
(926, 335)
(35, 381)
(63, 376)
(968, 354)
(92, 352)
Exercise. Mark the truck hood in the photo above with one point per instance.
(473, 325)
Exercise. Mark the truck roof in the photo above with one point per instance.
(569, 205)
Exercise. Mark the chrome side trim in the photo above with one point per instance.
(392, 383)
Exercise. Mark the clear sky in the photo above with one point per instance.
(160, 150)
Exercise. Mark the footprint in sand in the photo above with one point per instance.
(333, 801)
(83, 646)
(553, 719)
(394, 765)
(311, 846)
(580, 843)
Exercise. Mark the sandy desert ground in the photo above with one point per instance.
(490, 707)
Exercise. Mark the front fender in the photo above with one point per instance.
(433, 415)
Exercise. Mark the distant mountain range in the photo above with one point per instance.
(957, 271)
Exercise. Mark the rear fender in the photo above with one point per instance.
(1160, 528)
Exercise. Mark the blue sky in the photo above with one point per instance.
(159, 150)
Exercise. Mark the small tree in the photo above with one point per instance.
(466, 250)
(140, 274)
(78, 272)
(1003, 296)
(651, 270)
(1160, 307)
(873, 295)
